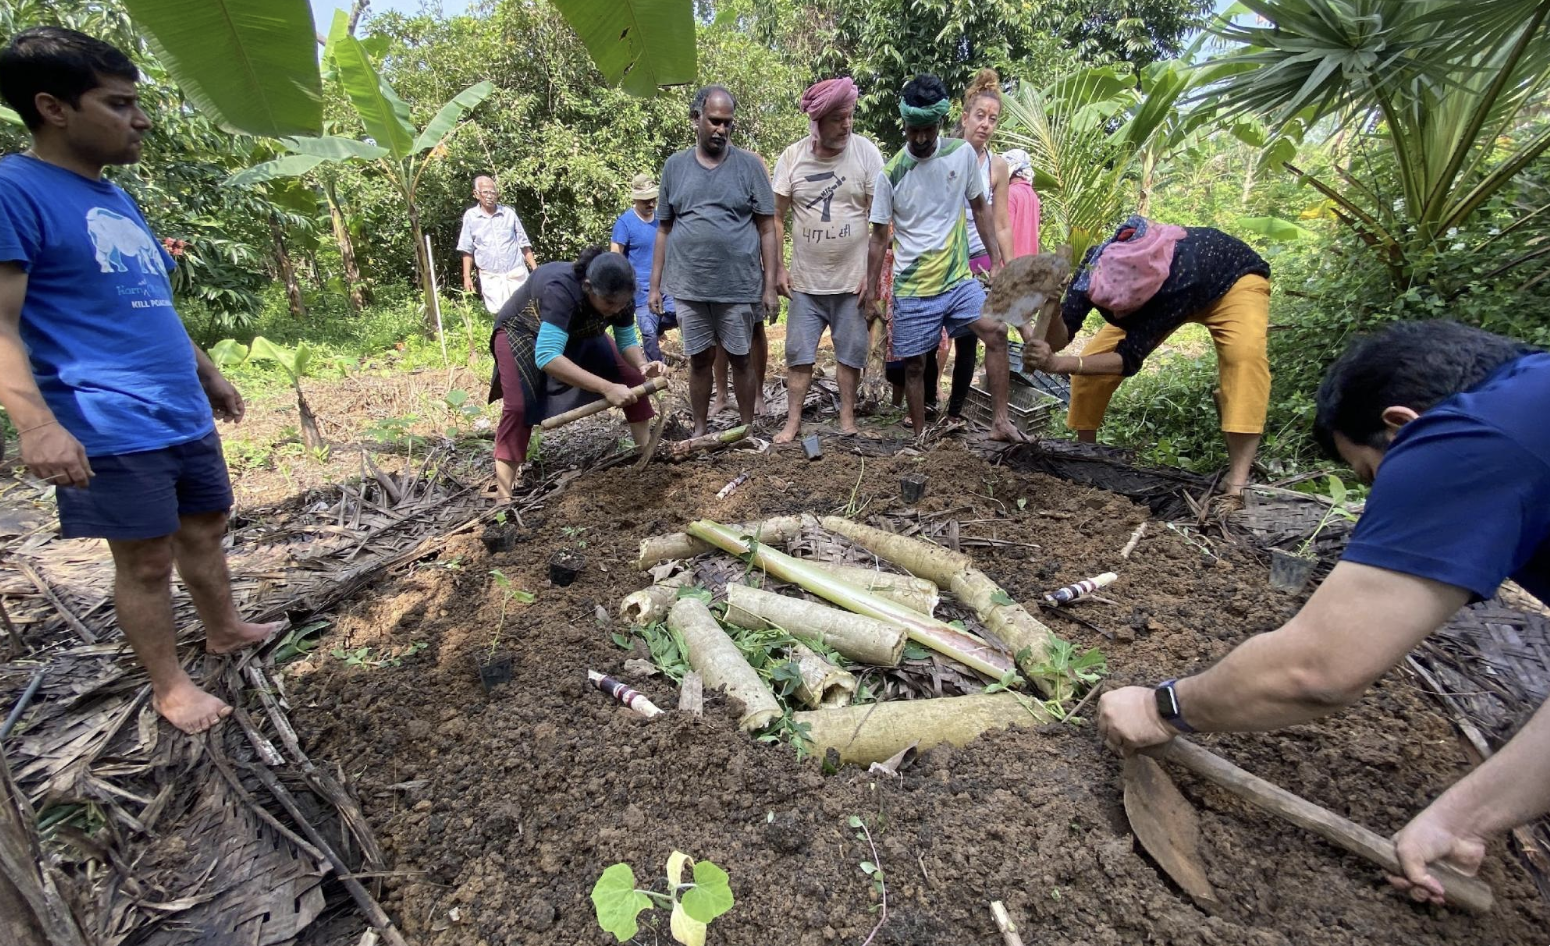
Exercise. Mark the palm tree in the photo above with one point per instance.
(1440, 87)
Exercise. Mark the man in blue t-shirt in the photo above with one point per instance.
(1446, 424)
(112, 401)
(635, 235)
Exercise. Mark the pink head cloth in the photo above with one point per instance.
(821, 98)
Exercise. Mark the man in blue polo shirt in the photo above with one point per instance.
(112, 401)
(1447, 424)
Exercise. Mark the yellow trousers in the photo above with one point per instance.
(1238, 322)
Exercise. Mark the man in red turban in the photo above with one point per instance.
(825, 181)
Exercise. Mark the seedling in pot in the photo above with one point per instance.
(1290, 571)
(694, 905)
(1336, 495)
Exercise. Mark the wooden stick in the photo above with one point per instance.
(655, 440)
(1004, 923)
(601, 404)
(18, 646)
(1135, 539)
(1471, 893)
(48, 592)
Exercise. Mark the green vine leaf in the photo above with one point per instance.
(711, 895)
(618, 903)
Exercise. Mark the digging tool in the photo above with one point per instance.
(1165, 823)
(1026, 293)
(1471, 893)
(655, 438)
(601, 404)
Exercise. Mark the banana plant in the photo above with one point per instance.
(1439, 86)
(296, 362)
(392, 142)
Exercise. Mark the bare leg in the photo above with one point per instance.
(759, 357)
(505, 480)
(898, 394)
(798, 379)
(850, 382)
(743, 385)
(701, 367)
(915, 391)
(993, 334)
(723, 391)
(1240, 461)
(196, 547)
(1087, 436)
(142, 600)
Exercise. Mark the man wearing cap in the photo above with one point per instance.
(493, 239)
(919, 196)
(825, 181)
(635, 236)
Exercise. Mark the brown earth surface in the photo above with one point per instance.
(516, 802)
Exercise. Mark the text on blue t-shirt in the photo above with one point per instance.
(110, 355)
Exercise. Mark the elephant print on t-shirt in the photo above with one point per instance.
(116, 238)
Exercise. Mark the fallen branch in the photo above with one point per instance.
(918, 594)
(650, 605)
(862, 639)
(663, 548)
(1025, 635)
(47, 591)
(684, 449)
(1135, 539)
(823, 684)
(874, 732)
(600, 405)
(937, 635)
(712, 653)
(1004, 923)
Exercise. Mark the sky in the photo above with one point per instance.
(323, 10)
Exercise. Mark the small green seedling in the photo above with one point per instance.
(509, 593)
(500, 518)
(695, 904)
(1337, 494)
(460, 409)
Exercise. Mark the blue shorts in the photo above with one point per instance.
(141, 495)
(918, 321)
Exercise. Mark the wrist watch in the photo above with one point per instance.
(1168, 706)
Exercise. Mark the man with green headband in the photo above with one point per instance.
(920, 195)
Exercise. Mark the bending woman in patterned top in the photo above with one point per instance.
(552, 353)
(1146, 281)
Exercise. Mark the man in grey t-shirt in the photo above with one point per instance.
(716, 252)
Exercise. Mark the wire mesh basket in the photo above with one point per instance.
(1028, 408)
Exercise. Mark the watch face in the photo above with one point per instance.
(1167, 702)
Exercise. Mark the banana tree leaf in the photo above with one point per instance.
(265, 350)
(292, 165)
(251, 65)
(452, 113)
(9, 117)
(637, 44)
(385, 115)
(1274, 228)
(335, 148)
(228, 352)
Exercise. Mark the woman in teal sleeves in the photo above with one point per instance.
(553, 352)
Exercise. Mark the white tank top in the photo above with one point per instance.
(976, 245)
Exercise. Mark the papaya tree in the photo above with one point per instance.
(392, 143)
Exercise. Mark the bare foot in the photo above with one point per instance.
(245, 635)
(189, 708)
(1004, 430)
(758, 405)
(716, 407)
(849, 430)
(787, 434)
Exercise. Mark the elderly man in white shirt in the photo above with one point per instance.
(493, 240)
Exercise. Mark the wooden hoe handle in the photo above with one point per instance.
(601, 404)
(1471, 893)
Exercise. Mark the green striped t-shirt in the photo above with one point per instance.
(924, 201)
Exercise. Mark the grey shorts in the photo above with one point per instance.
(703, 324)
(805, 321)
